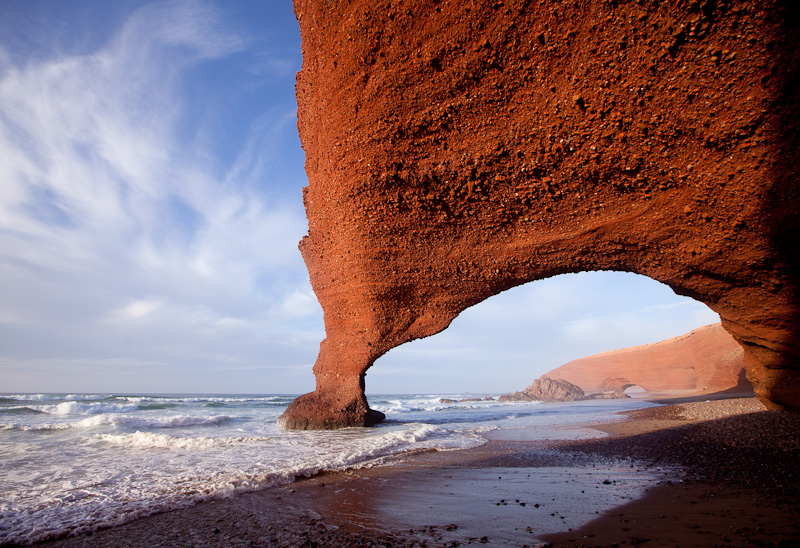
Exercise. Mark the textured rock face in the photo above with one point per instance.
(457, 149)
(547, 390)
(706, 359)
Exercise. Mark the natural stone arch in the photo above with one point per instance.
(633, 389)
(542, 328)
(457, 149)
(618, 384)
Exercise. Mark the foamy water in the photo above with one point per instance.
(76, 462)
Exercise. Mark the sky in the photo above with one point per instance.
(150, 210)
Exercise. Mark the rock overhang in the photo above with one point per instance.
(457, 150)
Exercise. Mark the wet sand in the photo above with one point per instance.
(721, 473)
(738, 484)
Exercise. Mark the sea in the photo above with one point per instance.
(74, 463)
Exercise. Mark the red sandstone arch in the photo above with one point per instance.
(456, 149)
(625, 389)
(617, 384)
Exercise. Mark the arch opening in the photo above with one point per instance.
(635, 391)
(506, 341)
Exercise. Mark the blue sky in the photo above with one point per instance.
(150, 209)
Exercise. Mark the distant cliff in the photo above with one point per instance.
(706, 359)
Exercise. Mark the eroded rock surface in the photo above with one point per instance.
(457, 149)
(705, 359)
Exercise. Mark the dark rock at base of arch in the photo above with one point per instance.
(458, 149)
(339, 413)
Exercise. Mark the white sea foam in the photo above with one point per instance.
(93, 421)
(110, 461)
(28, 427)
(85, 397)
(147, 440)
(121, 490)
(435, 403)
(406, 406)
(202, 399)
(176, 421)
(78, 408)
(54, 397)
(33, 397)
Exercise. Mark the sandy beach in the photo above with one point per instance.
(693, 473)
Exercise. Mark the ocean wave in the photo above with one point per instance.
(153, 440)
(206, 399)
(176, 421)
(155, 406)
(33, 397)
(19, 410)
(38, 427)
(53, 397)
(93, 421)
(434, 403)
(78, 408)
(409, 406)
(364, 451)
(81, 397)
(127, 468)
(84, 511)
(305, 454)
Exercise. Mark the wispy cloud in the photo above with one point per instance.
(670, 306)
(119, 220)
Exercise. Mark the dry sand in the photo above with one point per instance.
(718, 473)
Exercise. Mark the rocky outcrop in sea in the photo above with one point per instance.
(547, 390)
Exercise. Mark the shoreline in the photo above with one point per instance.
(687, 474)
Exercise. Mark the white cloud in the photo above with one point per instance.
(122, 232)
(670, 306)
(137, 309)
(300, 303)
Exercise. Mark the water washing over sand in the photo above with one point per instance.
(77, 462)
